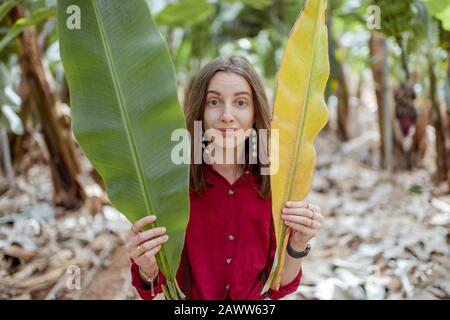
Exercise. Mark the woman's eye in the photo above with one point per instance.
(214, 102)
(242, 103)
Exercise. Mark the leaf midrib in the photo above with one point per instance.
(126, 121)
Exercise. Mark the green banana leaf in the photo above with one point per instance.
(257, 4)
(124, 109)
(185, 13)
(440, 9)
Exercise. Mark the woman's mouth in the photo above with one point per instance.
(227, 132)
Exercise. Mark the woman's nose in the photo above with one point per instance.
(227, 115)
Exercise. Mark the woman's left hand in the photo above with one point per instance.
(305, 219)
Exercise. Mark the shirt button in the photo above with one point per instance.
(227, 287)
(229, 260)
(231, 237)
(230, 192)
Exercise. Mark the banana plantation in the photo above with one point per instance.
(92, 91)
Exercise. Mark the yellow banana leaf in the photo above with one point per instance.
(299, 114)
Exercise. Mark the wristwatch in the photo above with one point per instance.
(298, 254)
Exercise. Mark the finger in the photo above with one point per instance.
(299, 211)
(149, 245)
(146, 258)
(311, 224)
(130, 235)
(298, 219)
(149, 234)
(138, 225)
(302, 229)
(316, 225)
(297, 204)
(319, 217)
(314, 208)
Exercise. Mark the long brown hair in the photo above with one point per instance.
(194, 109)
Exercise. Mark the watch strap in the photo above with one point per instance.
(298, 254)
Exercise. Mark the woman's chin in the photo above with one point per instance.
(228, 144)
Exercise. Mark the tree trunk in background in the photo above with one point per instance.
(18, 140)
(420, 136)
(6, 156)
(343, 106)
(376, 48)
(61, 147)
(441, 157)
(64, 95)
(409, 133)
(447, 113)
(405, 113)
(338, 73)
(403, 57)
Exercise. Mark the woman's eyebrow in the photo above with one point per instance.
(242, 92)
(236, 94)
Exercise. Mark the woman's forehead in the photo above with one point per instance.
(229, 83)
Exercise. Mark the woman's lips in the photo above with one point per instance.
(227, 132)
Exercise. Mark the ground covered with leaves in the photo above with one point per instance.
(385, 236)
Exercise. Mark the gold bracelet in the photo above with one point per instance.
(149, 280)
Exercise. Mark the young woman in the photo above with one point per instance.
(230, 241)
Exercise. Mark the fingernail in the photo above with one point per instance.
(153, 217)
(288, 203)
(284, 210)
(166, 237)
(163, 229)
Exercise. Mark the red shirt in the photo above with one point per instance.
(230, 243)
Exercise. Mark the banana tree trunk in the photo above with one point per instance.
(441, 157)
(376, 46)
(403, 57)
(6, 156)
(447, 113)
(64, 162)
(343, 108)
(64, 94)
(18, 140)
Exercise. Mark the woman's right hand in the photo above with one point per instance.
(143, 246)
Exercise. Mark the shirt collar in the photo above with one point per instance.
(214, 176)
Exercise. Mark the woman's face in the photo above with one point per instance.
(229, 107)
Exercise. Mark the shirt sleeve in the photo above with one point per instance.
(282, 290)
(141, 287)
(287, 289)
